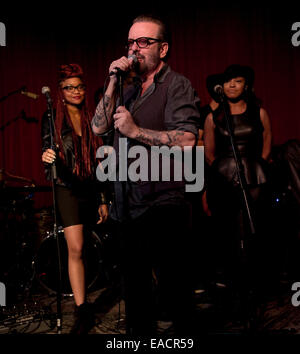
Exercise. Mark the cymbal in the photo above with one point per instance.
(29, 189)
(8, 177)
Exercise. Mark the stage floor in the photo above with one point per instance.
(35, 313)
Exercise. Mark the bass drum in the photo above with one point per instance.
(45, 263)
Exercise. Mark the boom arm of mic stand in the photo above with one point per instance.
(12, 93)
(240, 171)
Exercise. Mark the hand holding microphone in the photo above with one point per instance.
(122, 65)
(116, 71)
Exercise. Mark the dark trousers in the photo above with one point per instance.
(157, 254)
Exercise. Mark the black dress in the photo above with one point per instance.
(77, 199)
(224, 195)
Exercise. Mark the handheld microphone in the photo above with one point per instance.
(46, 92)
(219, 90)
(30, 94)
(118, 71)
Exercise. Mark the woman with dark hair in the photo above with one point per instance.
(250, 126)
(78, 193)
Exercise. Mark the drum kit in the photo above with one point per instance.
(28, 253)
(30, 240)
(45, 265)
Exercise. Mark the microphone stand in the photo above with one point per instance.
(121, 83)
(240, 172)
(123, 185)
(55, 233)
(243, 184)
(123, 189)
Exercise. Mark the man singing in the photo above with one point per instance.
(160, 109)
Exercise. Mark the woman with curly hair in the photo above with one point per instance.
(78, 193)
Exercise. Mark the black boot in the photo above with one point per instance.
(84, 319)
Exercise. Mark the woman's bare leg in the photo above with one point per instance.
(74, 238)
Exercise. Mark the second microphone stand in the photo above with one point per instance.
(240, 172)
(242, 183)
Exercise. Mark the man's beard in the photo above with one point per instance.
(143, 68)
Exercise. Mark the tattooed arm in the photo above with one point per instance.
(126, 125)
(102, 119)
(169, 138)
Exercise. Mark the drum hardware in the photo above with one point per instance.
(44, 264)
(21, 318)
(26, 189)
(18, 235)
(7, 177)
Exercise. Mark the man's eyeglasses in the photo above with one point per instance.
(142, 42)
(70, 88)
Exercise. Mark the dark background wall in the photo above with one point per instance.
(206, 39)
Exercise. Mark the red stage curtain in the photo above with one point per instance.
(206, 39)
